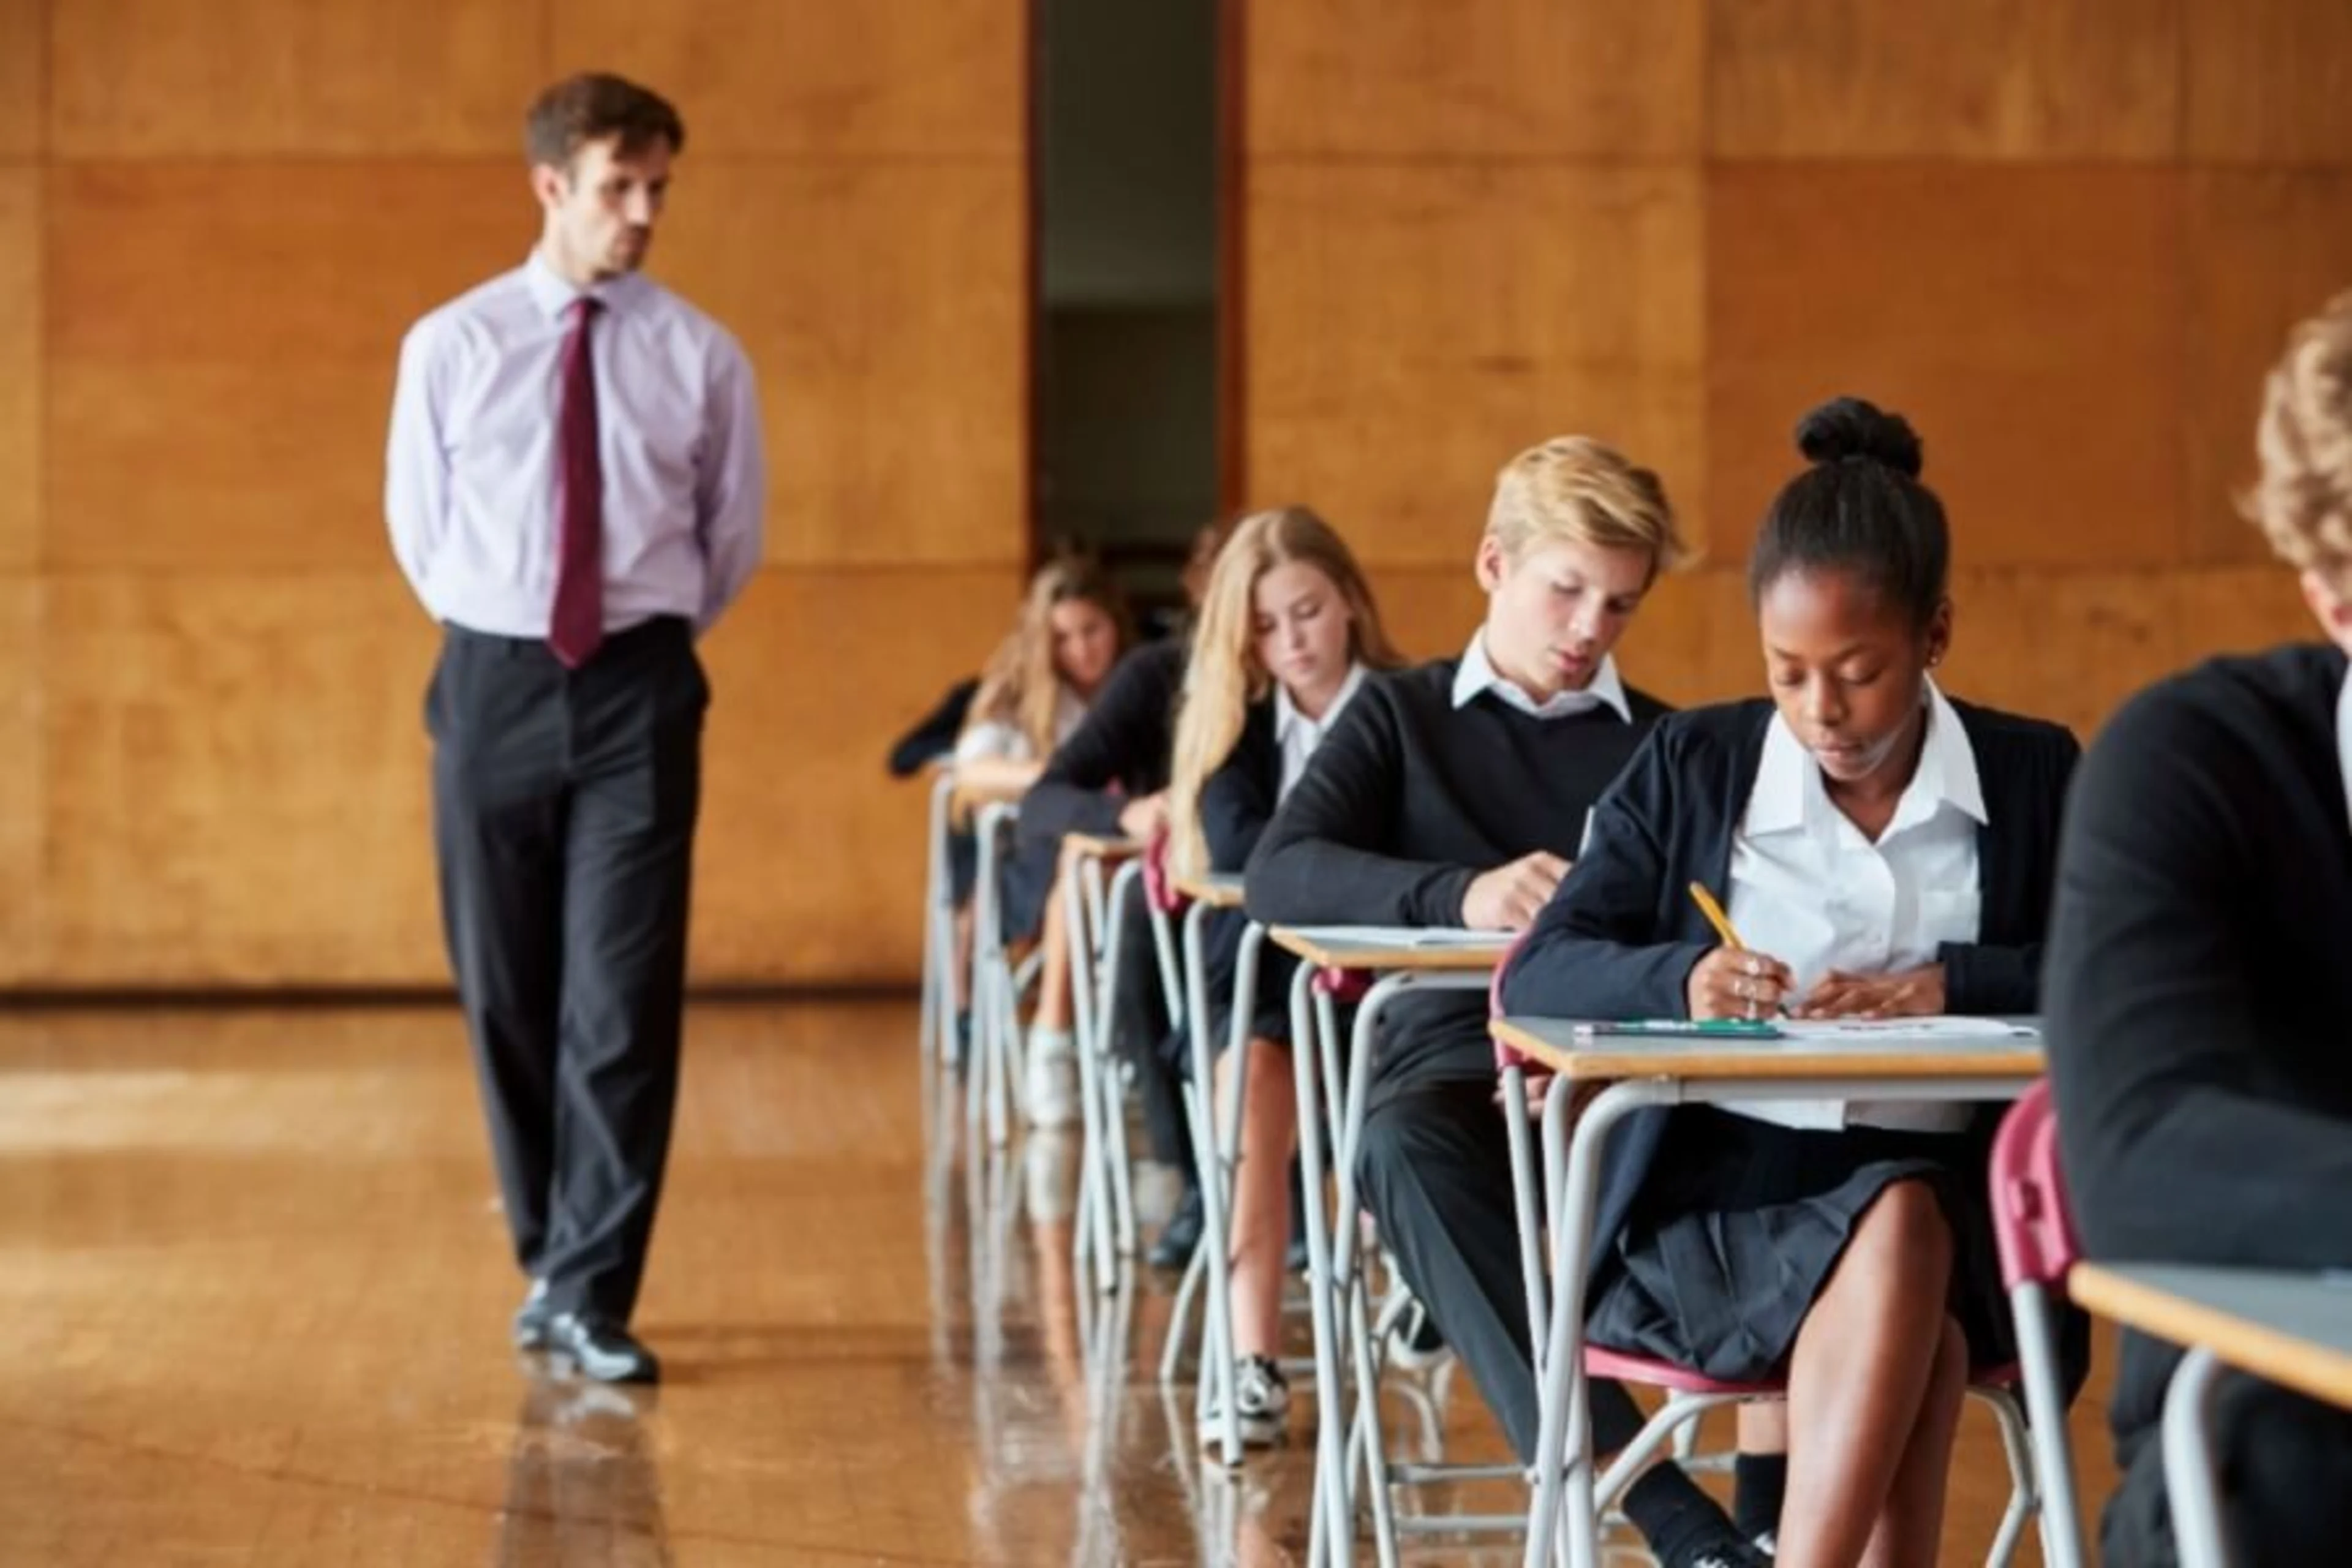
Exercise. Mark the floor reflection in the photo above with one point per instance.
(583, 1487)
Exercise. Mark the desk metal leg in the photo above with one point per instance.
(2189, 1483)
(1216, 1339)
(1346, 1276)
(1090, 1238)
(1564, 1437)
(1125, 887)
(1333, 1534)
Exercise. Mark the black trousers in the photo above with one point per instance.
(2286, 1472)
(563, 812)
(1435, 1170)
(1144, 1036)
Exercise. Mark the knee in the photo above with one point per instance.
(1383, 1150)
(1905, 1237)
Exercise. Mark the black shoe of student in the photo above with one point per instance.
(604, 1352)
(963, 1039)
(530, 1319)
(1295, 1260)
(1182, 1234)
(1415, 1343)
(1730, 1551)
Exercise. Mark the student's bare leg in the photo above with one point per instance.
(1053, 1010)
(1913, 1525)
(1261, 1217)
(1862, 1378)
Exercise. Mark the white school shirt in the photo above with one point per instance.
(1476, 673)
(1296, 736)
(1809, 890)
(2344, 741)
(1003, 737)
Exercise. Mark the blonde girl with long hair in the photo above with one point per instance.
(1037, 685)
(1033, 691)
(1288, 631)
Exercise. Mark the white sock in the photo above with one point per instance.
(1048, 1042)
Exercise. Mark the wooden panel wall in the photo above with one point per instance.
(2065, 239)
(214, 227)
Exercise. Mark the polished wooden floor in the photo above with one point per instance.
(255, 1299)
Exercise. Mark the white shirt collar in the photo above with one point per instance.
(1790, 794)
(553, 293)
(1287, 719)
(2344, 739)
(1476, 673)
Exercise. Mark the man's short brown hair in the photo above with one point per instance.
(592, 106)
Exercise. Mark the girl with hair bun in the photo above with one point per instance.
(1884, 850)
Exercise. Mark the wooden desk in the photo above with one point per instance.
(1605, 1057)
(1457, 963)
(2287, 1328)
(966, 799)
(1109, 846)
(1645, 1072)
(1218, 889)
(1369, 949)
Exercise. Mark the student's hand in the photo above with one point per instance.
(1144, 816)
(1508, 898)
(1914, 994)
(1728, 984)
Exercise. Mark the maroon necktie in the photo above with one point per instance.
(577, 627)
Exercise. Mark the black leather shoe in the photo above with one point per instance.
(1182, 1234)
(530, 1319)
(604, 1352)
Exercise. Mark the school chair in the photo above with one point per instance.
(997, 984)
(2035, 1234)
(1689, 1395)
(939, 977)
(1096, 914)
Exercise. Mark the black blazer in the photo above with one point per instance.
(1621, 936)
(1118, 754)
(2198, 985)
(1238, 800)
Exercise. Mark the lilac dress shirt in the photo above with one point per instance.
(471, 484)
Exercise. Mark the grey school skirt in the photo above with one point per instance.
(1740, 1224)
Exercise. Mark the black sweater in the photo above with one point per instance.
(934, 735)
(1119, 752)
(2199, 988)
(1237, 800)
(1621, 936)
(1407, 801)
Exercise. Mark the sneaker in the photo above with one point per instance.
(1050, 1087)
(1261, 1405)
(1769, 1544)
(1742, 1556)
(1414, 1343)
(1725, 1550)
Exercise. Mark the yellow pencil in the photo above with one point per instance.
(1722, 924)
(1716, 916)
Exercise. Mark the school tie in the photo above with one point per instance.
(576, 628)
